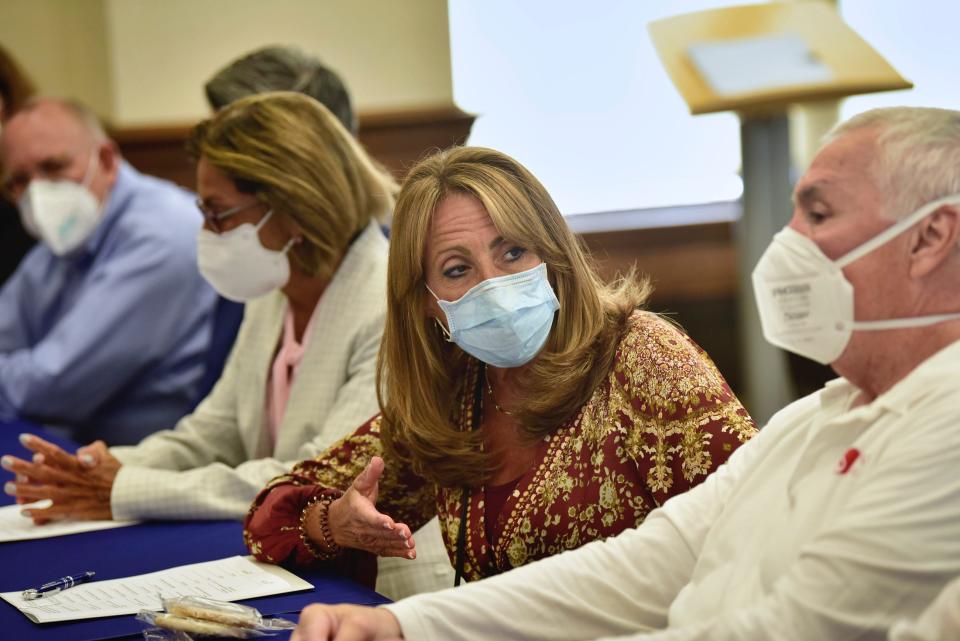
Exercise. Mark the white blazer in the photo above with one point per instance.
(217, 458)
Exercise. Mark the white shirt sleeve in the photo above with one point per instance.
(939, 622)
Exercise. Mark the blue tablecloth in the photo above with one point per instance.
(133, 550)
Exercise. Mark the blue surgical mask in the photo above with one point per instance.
(503, 321)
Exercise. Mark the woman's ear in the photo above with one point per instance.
(936, 240)
(291, 227)
(430, 307)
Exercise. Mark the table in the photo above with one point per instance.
(126, 551)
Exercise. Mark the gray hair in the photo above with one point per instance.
(917, 154)
(280, 68)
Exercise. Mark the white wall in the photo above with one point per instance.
(143, 62)
(393, 54)
(62, 45)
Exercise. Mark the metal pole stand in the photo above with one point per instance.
(767, 190)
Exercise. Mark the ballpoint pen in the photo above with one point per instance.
(57, 585)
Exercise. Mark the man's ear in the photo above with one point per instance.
(108, 155)
(936, 239)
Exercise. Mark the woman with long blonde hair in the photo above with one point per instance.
(528, 404)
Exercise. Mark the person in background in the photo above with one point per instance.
(290, 202)
(840, 517)
(530, 406)
(286, 68)
(105, 324)
(282, 68)
(15, 87)
(15, 242)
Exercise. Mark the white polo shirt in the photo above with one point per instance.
(831, 524)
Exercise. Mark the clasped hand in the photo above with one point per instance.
(78, 486)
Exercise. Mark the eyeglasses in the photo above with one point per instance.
(213, 219)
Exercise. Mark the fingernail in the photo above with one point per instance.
(407, 543)
(38, 458)
(10, 488)
(25, 440)
(411, 555)
(403, 534)
(86, 459)
(6, 462)
(386, 526)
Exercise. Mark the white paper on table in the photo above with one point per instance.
(231, 579)
(743, 65)
(15, 527)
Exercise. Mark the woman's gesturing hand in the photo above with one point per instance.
(355, 522)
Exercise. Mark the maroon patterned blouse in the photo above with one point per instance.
(663, 419)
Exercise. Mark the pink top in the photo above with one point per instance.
(283, 371)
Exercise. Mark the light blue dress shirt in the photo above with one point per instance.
(110, 340)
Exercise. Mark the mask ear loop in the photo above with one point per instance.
(446, 332)
(263, 221)
(296, 240)
(895, 230)
(89, 173)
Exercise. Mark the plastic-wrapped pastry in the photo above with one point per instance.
(217, 611)
(189, 618)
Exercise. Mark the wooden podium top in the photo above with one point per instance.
(855, 66)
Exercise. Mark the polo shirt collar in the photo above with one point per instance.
(926, 378)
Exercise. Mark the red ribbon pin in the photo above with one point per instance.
(845, 463)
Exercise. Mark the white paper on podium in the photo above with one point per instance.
(745, 65)
(231, 579)
(15, 527)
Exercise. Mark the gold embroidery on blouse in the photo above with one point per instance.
(657, 414)
(674, 394)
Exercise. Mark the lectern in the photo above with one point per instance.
(757, 60)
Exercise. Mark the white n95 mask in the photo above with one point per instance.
(503, 321)
(805, 301)
(61, 213)
(238, 266)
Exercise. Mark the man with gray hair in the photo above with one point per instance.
(105, 324)
(841, 517)
(280, 68)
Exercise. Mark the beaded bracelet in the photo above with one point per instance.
(327, 548)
